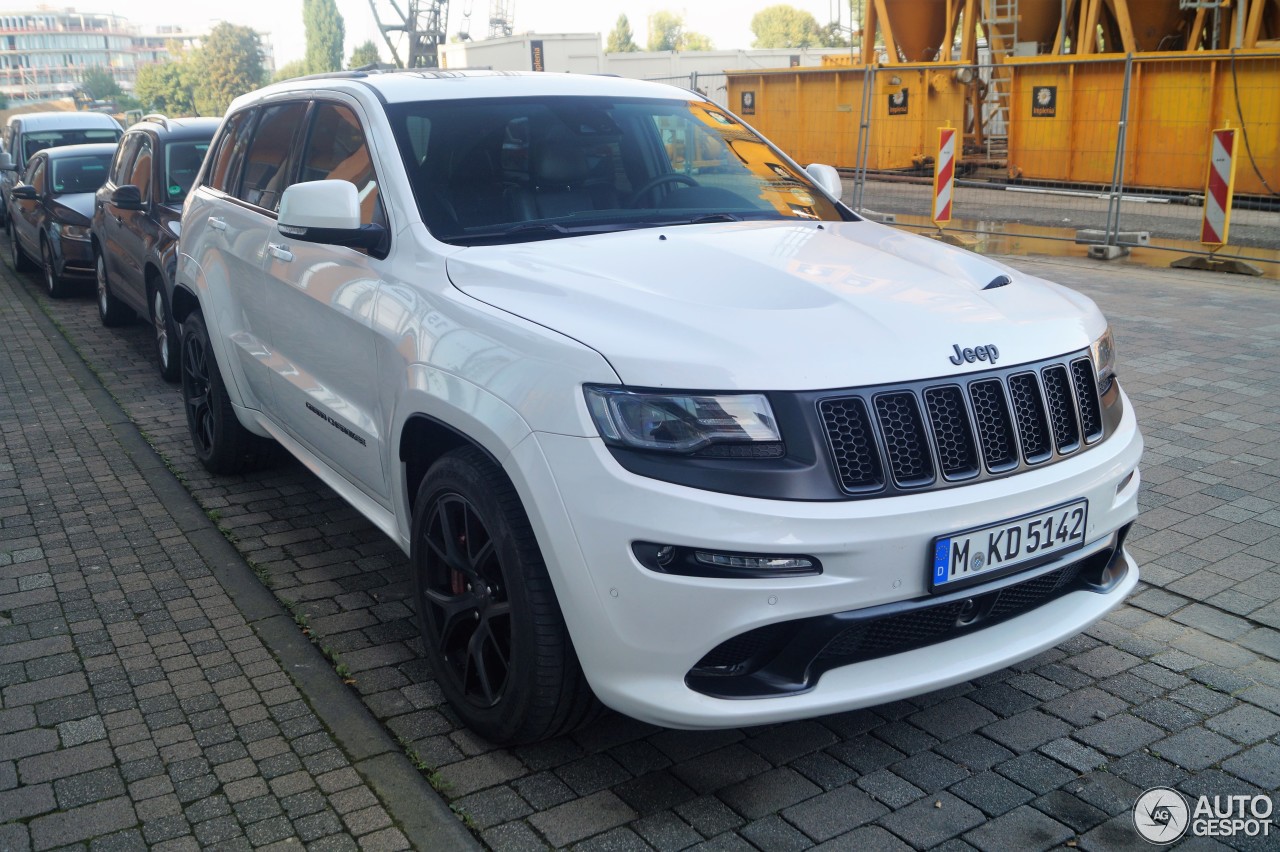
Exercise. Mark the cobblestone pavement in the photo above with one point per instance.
(141, 704)
(1180, 687)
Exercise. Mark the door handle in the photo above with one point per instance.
(217, 224)
(279, 252)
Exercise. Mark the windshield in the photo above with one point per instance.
(508, 170)
(79, 174)
(33, 142)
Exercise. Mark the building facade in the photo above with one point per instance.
(45, 53)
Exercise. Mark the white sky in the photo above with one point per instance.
(727, 22)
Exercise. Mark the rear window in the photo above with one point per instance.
(39, 140)
(182, 164)
(80, 174)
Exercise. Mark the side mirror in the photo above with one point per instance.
(127, 197)
(6, 162)
(327, 211)
(24, 192)
(827, 178)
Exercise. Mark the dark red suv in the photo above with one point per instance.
(135, 224)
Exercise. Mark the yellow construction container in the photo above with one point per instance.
(1064, 118)
(813, 113)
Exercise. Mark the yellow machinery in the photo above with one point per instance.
(1196, 69)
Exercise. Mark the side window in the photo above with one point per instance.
(267, 162)
(337, 150)
(37, 172)
(140, 174)
(124, 159)
(231, 145)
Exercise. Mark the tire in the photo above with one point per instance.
(54, 283)
(221, 443)
(490, 622)
(165, 333)
(111, 311)
(21, 263)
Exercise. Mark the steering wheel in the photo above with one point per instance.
(651, 184)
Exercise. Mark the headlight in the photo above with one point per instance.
(1103, 351)
(685, 422)
(72, 232)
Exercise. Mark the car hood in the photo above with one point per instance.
(75, 208)
(777, 306)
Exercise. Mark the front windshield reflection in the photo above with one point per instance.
(519, 169)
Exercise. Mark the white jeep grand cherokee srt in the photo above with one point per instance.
(656, 418)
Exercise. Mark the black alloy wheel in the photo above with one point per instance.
(467, 607)
(221, 442)
(490, 621)
(53, 282)
(111, 311)
(166, 336)
(21, 263)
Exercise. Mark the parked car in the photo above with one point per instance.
(136, 219)
(701, 443)
(49, 210)
(27, 133)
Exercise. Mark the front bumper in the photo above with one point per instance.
(73, 258)
(639, 633)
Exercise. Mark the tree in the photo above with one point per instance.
(785, 26)
(621, 40)
(667, 32)
(325, 32)
(289, 70)
(364, 54)
(228, 65)
(833, 35)
(166, 87)
(99, 84)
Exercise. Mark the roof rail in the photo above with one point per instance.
(157, 118)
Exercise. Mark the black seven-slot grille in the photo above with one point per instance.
(943, 432)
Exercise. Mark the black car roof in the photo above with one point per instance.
(61, 151)
(177, 128)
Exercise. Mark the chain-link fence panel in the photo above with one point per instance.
(1176, 104)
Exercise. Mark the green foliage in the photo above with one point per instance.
(289, 70)
(833, 36)
(166, 87)
(325, 31)
(785, 26)
(621, 39)
(229, 64)
(99, 83)
(364, 54)
(667, 32)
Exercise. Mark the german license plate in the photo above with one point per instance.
(1015, 543)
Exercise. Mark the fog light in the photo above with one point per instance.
(688, 562)
(753, 563)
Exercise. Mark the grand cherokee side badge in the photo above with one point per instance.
(977, 353)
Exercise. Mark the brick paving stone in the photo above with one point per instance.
(582, 818)
(992, 793)
(768, 792)
(774, 833)
(933, 819)
(1023, 830)
(1195, 748)
(889, 789)
(1119, 735)
(833, 813)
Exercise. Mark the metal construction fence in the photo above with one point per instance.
(1108, 150)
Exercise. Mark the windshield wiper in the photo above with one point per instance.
(702, 220)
